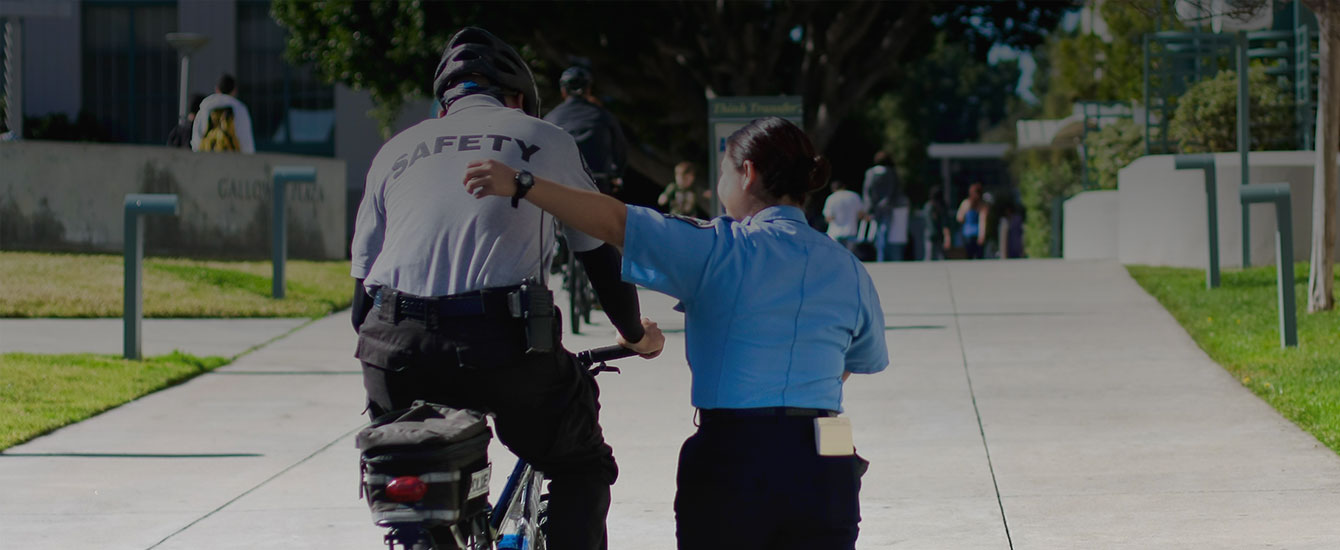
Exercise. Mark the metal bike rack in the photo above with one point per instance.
(1205, 163)
(278, 223)
(1279, 194)
(136, 206)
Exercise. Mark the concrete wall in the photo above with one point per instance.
(1162, 212)
(70, 196)
(1091, 225)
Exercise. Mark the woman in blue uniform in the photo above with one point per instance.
(777, 316)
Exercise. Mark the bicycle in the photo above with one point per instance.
(515, 522)
(581, 297)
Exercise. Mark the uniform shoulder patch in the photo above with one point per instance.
(698, 222)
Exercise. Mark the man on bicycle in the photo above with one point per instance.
(597, 132)
(451, 306)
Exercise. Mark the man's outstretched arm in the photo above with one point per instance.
(619, 299)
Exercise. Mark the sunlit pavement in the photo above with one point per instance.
(1030, 404)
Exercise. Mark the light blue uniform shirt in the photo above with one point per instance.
(774, 310)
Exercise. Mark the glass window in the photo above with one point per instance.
(4, 81)
(129, 69)
(292, 111)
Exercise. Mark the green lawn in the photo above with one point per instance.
(1238, 326)
(91, 285)
(39, 393)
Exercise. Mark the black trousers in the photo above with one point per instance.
(758, 483)
(545, 406)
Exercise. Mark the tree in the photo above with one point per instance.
(1086, 67)
(657, 62)
(385, 47)
(1325, 188)
(948, 96)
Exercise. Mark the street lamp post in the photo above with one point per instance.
(186, 43)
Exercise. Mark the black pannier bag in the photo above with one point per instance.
(445, 448)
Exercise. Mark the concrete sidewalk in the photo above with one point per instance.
(1031, 404)
(199, 337)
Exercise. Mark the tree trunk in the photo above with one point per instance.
(1321, 275)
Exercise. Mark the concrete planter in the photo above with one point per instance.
(1091, 225)
(68, 197)
(1161, 211)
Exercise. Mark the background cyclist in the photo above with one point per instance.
(596, 130)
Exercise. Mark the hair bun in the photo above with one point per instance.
(819, 172)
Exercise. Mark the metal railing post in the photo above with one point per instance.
(1284, 241)
(1246, 235)
(1205, 163)
(1058, 226)
(137, 205)
(1244, 142)
(1279, 194)
(278, 223)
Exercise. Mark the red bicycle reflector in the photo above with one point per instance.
(406, 489)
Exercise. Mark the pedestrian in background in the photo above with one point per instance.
(938, 236)
(180, 136)
(682, 197)
(883, 195)
(223, 122)
(973, 214)
(844, 211)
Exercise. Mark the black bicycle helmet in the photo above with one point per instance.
(575, 79)
(475, 51)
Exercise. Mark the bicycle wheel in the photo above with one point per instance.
(588, 297)
(537, 510)
(519, 526)
(573, 276)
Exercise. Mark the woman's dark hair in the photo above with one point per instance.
(783, 157)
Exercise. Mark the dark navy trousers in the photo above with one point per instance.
(759, 483)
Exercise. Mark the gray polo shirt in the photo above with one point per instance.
(418, 231)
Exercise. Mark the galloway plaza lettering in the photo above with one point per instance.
(255, 190)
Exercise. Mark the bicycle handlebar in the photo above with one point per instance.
(601, 355)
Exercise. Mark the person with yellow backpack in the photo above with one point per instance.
(223, 122)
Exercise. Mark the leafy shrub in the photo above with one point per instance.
(1111, 149)
(1207, 115)
(1044, 176)
(57, 127)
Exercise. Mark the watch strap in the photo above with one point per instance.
(522, 188)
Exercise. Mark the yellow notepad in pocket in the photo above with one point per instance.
(832, 436)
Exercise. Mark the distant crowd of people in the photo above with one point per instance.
(879, 223)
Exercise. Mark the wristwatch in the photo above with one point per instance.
(524, 181)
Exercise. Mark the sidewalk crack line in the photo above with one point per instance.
(963, 351)
(253, 489)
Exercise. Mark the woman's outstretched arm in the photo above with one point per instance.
(590, 212)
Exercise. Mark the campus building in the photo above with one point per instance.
(110, 61)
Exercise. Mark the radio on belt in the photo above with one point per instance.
(535, 304)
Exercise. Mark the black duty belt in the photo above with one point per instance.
(711, 415)
(480, 303)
